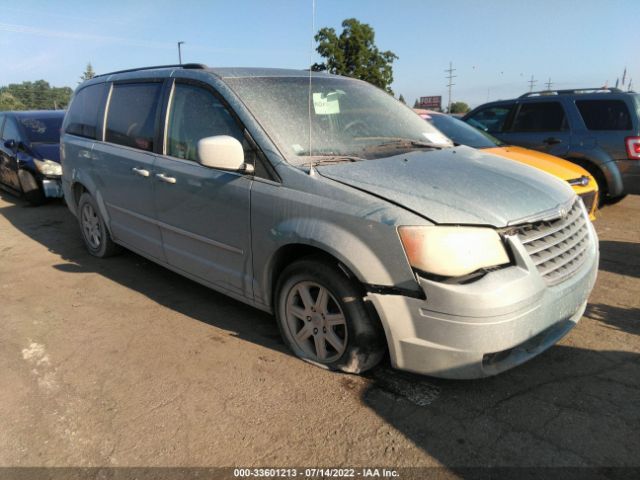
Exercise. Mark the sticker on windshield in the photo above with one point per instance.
(326, 104)
(436, 137)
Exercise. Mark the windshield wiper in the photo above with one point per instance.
(403, 143)
(329, 159)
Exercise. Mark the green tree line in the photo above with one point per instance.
(38, 95)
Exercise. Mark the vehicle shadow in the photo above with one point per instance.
(623, 319)
(53, 226)
(570, 407)
(620, 257)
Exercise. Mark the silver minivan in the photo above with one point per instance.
(325, 201)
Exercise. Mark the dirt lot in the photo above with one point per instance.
(120, 362)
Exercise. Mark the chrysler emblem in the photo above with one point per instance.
(563, 213)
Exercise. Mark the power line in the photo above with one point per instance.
(532, 82)
(450, 83)
(549, 84)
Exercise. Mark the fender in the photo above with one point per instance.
(320, 234)
(80, 177)
(601, 160)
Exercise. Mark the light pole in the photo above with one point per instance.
(180, 53)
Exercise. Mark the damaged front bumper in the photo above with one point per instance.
(485, 327)
(52, 187)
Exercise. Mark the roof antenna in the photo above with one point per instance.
(313, 29)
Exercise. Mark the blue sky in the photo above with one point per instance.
(495, 45)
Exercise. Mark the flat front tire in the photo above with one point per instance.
(323, 318)
(94, 231)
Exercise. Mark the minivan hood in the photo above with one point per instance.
(458, 185)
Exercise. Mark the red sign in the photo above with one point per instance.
(432, 103)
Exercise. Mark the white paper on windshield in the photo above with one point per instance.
(436, 137)
(326, 104)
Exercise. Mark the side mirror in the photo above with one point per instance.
(223, 152)
(11, 144)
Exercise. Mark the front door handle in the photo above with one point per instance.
(162, 177)
(552, 141)
(141, 171)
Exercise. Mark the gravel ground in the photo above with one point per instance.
(121, 362)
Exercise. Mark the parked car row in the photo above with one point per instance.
(598, 129)
(463, 134)
(362, 227)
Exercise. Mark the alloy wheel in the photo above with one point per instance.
(316, 322)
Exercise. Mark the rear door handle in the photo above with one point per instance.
(141, 171)
(163, 178)
(552, 141)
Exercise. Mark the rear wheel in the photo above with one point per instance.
(94, 231)
(323, 318)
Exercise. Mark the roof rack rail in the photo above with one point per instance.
(572, 91)
(191, 66)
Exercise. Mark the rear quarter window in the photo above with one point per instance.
(82, 117)
(605, 114)
(132, 115)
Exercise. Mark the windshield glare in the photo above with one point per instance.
(42, 130)
(347, 117)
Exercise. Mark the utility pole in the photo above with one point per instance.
(548, 84)
(450, 76)
(180, 53)
(532, 82)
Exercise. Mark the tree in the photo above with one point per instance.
(88, 73)
(459, 107)
(401, 99)
(38, 95)
(354, 54)
(9, 102)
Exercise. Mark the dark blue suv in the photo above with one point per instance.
(30, 154)
(596, 128)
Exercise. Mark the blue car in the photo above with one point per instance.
(30, 154)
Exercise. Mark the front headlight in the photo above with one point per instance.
(48, 167)
(452, 251)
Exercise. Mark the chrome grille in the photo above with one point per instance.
(558, 247)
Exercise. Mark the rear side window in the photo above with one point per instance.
(540, 117)
(132, 115)
(82, 117)
(605, 114)
(490, 119)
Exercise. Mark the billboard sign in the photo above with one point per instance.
(432, 103)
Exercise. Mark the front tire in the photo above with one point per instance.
(94, 231)
(323, 318)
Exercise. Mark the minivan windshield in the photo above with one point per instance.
(349, 119)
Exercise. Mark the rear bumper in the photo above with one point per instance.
(630, 174)
(488, 326)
